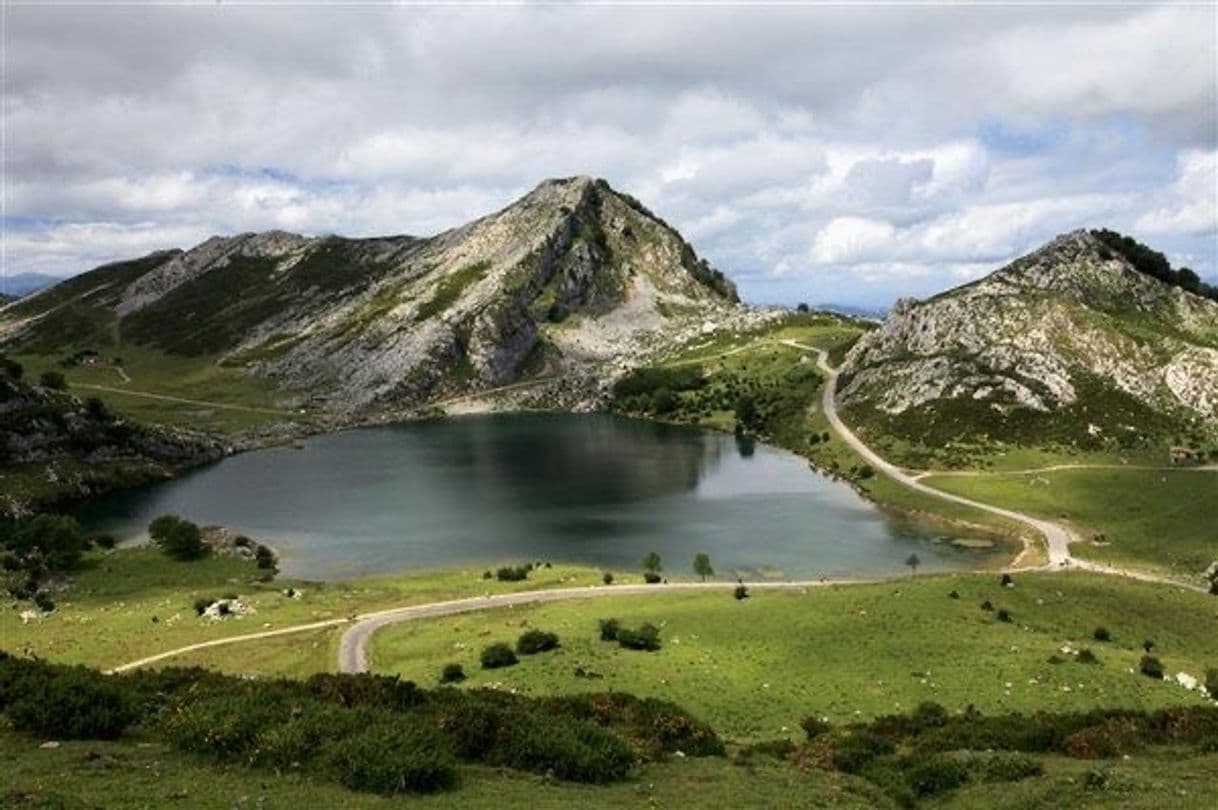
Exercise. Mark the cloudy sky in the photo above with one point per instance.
(817, 153)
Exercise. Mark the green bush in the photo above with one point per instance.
(853, 750)
(222, 727)
(814, 726)
(651, 577)
(513, 573)
(75, 704)
(532, 642)
(57, 539)
(929, 714)
(452, 673)
(498, 655)
(607, 578)
(645, 637)
(264, 557)
(53, 380)
(390, 758)
(1102, 634)
(1151, 667)
(929, 776)
(570, 749)
(609, 629)
(179, 539)
(1005, 767)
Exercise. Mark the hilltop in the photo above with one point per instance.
(569, 284)
(1070, 345)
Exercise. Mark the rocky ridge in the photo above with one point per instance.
(566, 287)
(1042, 334)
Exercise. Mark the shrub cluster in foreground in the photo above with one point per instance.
(930, 751)
(367, 732)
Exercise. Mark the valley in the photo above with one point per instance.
(893, 511)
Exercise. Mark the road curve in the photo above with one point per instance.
(353, 646)
(1057, 538)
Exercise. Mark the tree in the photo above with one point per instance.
(802, 307)
(265, 557)
(53, 380)
(913, 562)
(652, 563)
(58, 539)
(702, 565)
(747, 415)
(179, 539)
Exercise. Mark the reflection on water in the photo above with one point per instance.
(594, 489)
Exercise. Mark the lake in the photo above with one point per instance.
(595, 489)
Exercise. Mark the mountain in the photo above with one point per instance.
(568, 284)
(22, 284)
(1072, 343)
(54, 445)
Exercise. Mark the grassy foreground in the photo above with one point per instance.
(753, 669)
(138, 774)
(131, 603)
(1162, 519)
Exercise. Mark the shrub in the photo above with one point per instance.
(452, 673)
(740, 592)
(57, 539)
(572, 749)
(497, 655)
(105, 541)
(75, 703)
(651, 577)
(929, 714)
(1151, 667)
(1148, 645)
(851, 752)
(1102, 634)
(814, 726)
(954, 595)
(391, 758)
(487, 575)
(179, 539)
(532, 642)
(607, 578)
(53, 380)
(1003, 615)
(264, 556)
(936, 774)
(646, 637)
(1006, 767)
(512, 573)
(609, 629)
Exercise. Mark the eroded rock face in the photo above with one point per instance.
(1024, 337)
(571, 281)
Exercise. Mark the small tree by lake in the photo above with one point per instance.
(652, 563)
(178, 538)
(913, 562)
(702, 565)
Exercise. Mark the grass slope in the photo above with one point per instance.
(753, 669)
(1160, 519)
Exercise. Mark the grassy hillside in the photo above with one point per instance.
(753, 669)
(1162, 519)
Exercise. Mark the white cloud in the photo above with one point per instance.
(1192, 206)
(826, 152)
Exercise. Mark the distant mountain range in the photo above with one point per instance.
(22, 284)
